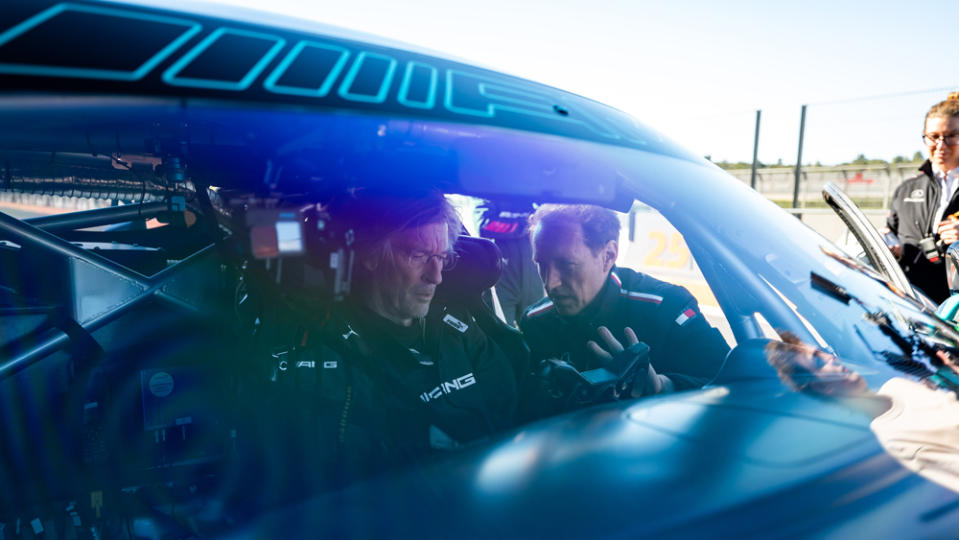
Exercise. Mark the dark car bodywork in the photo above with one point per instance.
(177, 111)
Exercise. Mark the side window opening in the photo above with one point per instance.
(651, 245)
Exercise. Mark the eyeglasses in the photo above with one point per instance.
(951, 139)
(447, 259)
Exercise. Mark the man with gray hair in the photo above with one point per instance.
(594, 310)
(409, 377)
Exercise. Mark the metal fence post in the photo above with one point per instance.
(752, 176)
(802, 131)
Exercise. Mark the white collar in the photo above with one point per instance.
(947, 176)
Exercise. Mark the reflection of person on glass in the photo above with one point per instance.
(915, 422)
(922, 218)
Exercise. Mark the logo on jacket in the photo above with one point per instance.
(349, 333)
(917, 195)
(449, 387)
(452, 321)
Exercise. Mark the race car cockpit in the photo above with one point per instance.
(167, 329)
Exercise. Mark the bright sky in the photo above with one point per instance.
(697, 70)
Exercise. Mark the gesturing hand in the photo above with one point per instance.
(613, 346)
(656, 383)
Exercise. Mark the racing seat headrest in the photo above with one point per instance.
(478, 268)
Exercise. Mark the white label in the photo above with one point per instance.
(455, 323)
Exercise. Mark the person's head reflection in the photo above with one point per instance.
(805, 368)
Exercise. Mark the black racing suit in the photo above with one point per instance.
(683, 345)
(912, 216)
(392, 395)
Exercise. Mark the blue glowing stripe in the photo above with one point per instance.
(328, 81)
(486, 112)
(403, 96)
(170, 76)
(345, 88)
(192, 28)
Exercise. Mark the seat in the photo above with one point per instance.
(478, 269)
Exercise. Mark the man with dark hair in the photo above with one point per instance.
(594, 309)
(405, 376)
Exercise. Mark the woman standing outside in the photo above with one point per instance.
(922, 208)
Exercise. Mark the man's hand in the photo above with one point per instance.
(949, 231)
(656, 383)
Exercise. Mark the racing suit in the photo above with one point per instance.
(912, 217)
(392, 395)
(683, 345)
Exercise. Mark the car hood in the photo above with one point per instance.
(748, 458)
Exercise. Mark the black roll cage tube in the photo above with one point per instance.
(100, 216)
(35, 233)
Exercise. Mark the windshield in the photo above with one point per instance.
(204, 310)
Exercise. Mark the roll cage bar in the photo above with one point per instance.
(127, 288)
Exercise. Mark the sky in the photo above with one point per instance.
(697, 71)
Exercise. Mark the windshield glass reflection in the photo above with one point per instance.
(913, 420)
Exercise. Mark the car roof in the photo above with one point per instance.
(286, 22)
(158, 53)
